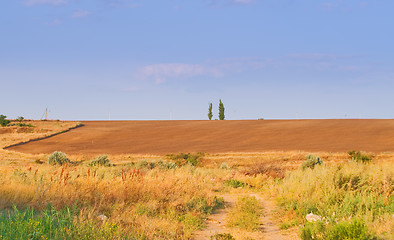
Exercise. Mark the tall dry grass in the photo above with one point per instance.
(154, 203)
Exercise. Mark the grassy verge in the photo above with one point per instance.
(53, 224)
(350, 198)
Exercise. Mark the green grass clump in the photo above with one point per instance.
(102, 161)
(182, 159)
(311, 161)
(222, 236)
(166, 165)
(359, 157)
(234, 183)
(246, 214)
(53, 224)
(58, 158)
(353, 230)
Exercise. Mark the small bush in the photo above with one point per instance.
(38, 161)
(20, 119)
(234, 183)
(58, 158)
(182, 159)
(166, 165)
(222, 236)
(354, 230)
(311, 161)
(102, 161)
(3, 121)
(145, 164)
(359, 157)
(269, 169)
(224, 166)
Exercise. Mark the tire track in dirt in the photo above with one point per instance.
(216, 222)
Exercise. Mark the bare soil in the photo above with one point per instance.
(161, 137)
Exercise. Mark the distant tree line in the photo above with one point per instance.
(221, 111)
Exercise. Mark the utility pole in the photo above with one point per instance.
(45, 114)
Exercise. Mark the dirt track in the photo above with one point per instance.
(160, 137)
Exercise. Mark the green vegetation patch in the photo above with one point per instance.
(246, 214)
(359, 157)
(54, 224)
(353, 230)
(182, 159)
(311, 162)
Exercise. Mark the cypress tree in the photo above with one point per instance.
(221, 110)
(210, 115)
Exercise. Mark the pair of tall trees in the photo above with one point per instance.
(221, 111)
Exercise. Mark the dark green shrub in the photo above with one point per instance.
(20, 119)
(102, 161)
(311, 161)
(222, 236)
(58, 158)
(359, 157)
(3, 121)
(234, 183)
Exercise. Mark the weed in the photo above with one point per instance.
(145, 164)
(58, 158)
(222, 236)
(353, 230)
(166, 165)
(224, 166)
(311, 161)
(234, 183)
(182, 159)
(359, 157)
(268, 169)
(101, 161)
(38, 161)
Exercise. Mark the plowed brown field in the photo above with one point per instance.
(160, 137)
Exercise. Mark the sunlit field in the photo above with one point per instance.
(177, 196)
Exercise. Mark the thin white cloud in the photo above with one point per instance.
(161, 72)
(45, 2)
(166, 71)
(81, 14)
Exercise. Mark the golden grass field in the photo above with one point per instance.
(145, 197)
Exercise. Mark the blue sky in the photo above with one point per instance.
(162, 59)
